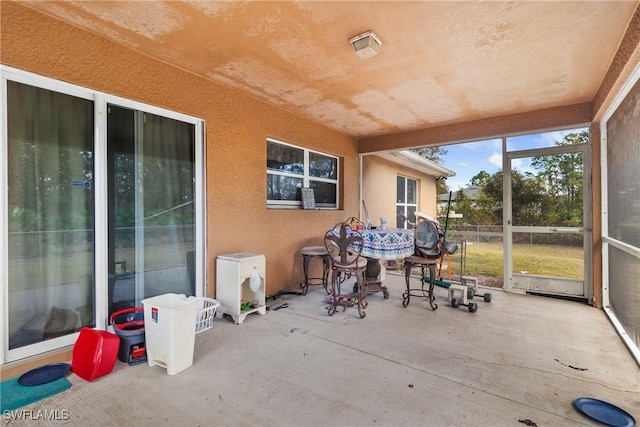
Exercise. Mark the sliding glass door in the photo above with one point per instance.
(50, 215)
(151, 169)
(102, 207)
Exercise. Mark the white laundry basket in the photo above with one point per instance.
(206, 312)
(169, 331)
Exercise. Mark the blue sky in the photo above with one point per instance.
(467, 159)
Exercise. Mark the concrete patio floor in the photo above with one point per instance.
(519, 359)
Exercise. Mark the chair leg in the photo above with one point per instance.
(362, 292)
(334, 293)
(432, 282)
(428, 293)
(326, 265)
(305, 268)
(406, 296)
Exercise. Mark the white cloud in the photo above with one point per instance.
(456, 184)
(550, 138)
(496, 159)
(516, 164)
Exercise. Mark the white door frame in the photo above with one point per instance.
(509, 228)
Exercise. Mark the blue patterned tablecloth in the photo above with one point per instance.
(390, 243)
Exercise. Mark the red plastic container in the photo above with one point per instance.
(94, 353)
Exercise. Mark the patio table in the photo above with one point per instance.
(387, 244)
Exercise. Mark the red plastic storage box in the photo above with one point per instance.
(94, 353)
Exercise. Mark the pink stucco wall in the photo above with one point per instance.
(237, 126)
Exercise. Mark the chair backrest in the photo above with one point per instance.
(428, 239)
(344, 245)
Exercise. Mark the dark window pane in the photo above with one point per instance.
(284, 158)
(283, 187)
(411, 213)
(323, 166)
(401, 190)
(325, 192)
(400, 223)
(411, 190)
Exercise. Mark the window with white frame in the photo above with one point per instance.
(406, 201)
(291, 168)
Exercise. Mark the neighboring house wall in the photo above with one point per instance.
(379, 177)
(237, 126)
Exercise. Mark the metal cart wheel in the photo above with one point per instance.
(473, 307)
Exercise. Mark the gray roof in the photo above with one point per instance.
(472, 192)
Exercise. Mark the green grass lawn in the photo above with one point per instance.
(482, 260)
(486, 259)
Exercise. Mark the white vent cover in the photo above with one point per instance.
(366, 45)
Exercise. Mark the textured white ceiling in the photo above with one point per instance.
(440, 62)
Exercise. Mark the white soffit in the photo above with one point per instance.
(417, 162)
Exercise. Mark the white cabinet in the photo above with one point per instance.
(240, 278)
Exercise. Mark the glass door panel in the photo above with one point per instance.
(151, 167)
(50, 217)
